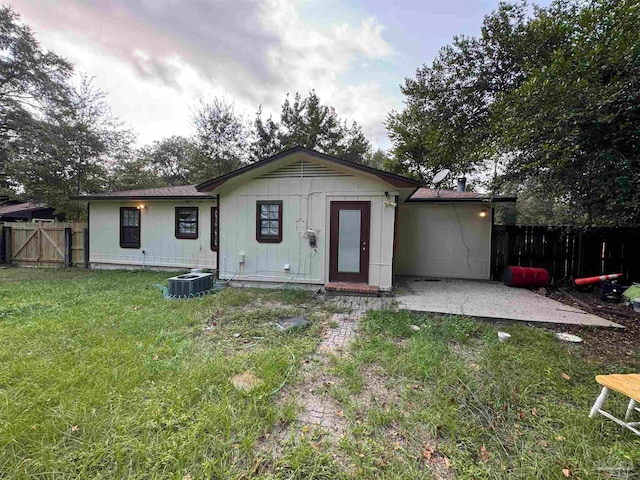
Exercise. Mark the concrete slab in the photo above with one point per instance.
(486, 299)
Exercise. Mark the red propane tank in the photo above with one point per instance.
(525, 277)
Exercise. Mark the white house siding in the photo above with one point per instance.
(157, 237)
(432, 238)
(306, 206)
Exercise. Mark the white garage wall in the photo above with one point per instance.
(432, 238)
(306, 205)
(157, 237)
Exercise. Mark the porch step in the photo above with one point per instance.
(344, 288)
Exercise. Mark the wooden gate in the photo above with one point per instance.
(44, 244)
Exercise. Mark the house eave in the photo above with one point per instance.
(391, 178)
(464, 200)
(94, 198)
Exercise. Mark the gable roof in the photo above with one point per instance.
(432, 195)
(391, 178)
(162, 193)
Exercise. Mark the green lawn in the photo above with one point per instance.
(100, 377)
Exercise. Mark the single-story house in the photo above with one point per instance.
(299, 217)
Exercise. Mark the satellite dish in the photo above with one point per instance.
(440, 176)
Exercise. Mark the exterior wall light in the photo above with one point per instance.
(483, 212)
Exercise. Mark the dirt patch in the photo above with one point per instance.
(469, 352)
(619, 346)
(377, 391)
(245, 382)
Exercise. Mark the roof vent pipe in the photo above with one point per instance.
(462, 184)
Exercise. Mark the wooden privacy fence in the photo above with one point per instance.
(567, 252)
(43, 244)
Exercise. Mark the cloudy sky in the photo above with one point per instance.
(156, 58)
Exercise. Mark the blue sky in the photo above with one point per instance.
(158, 58)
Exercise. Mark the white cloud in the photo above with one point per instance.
(157, 58)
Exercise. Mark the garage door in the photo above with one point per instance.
(444, 240)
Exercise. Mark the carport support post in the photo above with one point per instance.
(67, 247)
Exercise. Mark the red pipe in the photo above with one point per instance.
(592, 280)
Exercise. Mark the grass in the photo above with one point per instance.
(464, 403)
(100, 377)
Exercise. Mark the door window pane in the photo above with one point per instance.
(349, 241)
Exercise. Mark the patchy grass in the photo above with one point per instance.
(455, 401)
(100, 377)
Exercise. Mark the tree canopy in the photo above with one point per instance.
(309, 123)
(31, 80)
(547, 95)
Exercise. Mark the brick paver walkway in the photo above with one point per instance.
(338, 338)
(319, 408)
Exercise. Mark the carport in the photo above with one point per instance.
(446, 234)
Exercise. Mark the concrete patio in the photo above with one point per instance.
(485, 299)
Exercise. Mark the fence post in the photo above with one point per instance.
(507, 245)
(580, 266)
(67, 247)
(2, 260)
(8, 245)
(85, 250)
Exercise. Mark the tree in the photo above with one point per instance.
(550, 93)
(378, 159)
(77, 145)
(134, 173)
(30, 81)
(309, 123)
(169, 158)
(221, 140)
(266, 142)
(575, 122)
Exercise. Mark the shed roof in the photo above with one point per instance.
(433, 195)
(20, 207)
